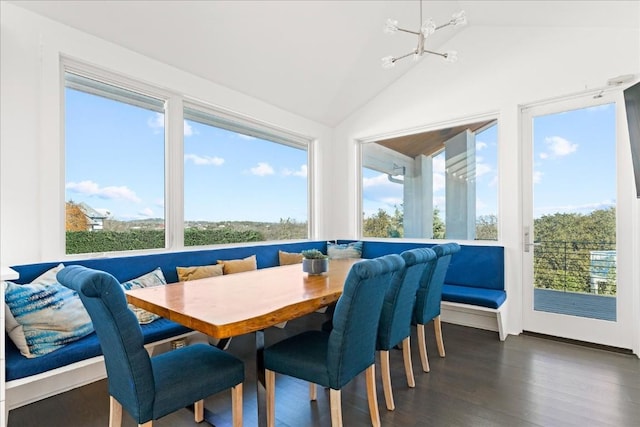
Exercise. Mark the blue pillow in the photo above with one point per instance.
(344, 250)
(44, 316)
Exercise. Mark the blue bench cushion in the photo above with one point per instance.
(490, 298)
(18, 366)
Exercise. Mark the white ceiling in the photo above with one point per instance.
(318, 59)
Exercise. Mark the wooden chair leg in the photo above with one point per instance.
(270, 386)
(422, 348)
(198, 411)
(437, 326)
(385, 372)
(372, 396)
(313, 394)
(236, 405)
(115, 412)
(336, 407)
(147, 424)
(408, 365)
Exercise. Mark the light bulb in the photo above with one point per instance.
(451, 56)
(459, 18)
(391, 26)
(428, 27)
(388, 62)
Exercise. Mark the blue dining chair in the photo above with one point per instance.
(150, 387)
(333, 358)
(396, 316)
(428, 300)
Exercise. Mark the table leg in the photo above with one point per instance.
(261, 393)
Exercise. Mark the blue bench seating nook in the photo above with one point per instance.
(29, 379)
(474, 283)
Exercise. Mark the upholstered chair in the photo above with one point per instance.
(150, 387)
(428, 300)
(397, 310)
(333, 358)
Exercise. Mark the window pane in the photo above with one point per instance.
(114, 168)
(440, 184)
(240, 187)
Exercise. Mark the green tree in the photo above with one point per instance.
(439, 229)
(487, 227)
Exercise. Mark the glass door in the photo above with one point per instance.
(575, 273)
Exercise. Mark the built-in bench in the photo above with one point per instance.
(474, 280)
(81, 362)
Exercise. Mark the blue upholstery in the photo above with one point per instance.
(491, 298)
(429, 295)
(395, 319)
(332, 359)
(148, 388)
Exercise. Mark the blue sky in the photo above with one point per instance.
(115, 163)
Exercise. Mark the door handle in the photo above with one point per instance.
(527, 240)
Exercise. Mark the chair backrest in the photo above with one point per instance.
(352, 343)
(397, 309)
(128, 364)
(429, 295)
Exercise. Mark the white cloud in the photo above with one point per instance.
(159, 203)
(147, 213)
(481, 145)
(90, 188)
(482, 169)
(157, 124)
(438, 181)
(439, 164)
(537, 177)
(263, 169)
(585, 208)
(243, 136)
(558, 147)
(203, 160)
(302, 172)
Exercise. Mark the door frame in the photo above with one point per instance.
(625, 331)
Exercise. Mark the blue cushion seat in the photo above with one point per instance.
(18, 366)
(483, 297)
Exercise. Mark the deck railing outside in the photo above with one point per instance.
(584, 267)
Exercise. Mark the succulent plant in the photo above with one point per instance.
(313, 254)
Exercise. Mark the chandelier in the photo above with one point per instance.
(427, 28)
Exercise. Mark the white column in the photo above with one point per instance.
(460, 166)
(5, 274)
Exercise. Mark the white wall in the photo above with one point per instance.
(498, 70)
(31, 168)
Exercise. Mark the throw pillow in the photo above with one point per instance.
(239, 265)
(198, 272)
(44, 315)
(287, 258)
(344, 250)
(153, 278)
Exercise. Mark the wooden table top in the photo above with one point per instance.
(236, 304)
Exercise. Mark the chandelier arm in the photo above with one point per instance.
(444, 55)
(409, 31)
(406, 55)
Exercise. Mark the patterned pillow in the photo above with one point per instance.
(199, 272)
(44, 315)
(344, 250)
(288, 258)
(153, 278)
(231, 266)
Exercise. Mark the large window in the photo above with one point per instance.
(242, 182)
(114, 167)
(235, 180)
(439, 184)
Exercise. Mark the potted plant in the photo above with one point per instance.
(314, 262)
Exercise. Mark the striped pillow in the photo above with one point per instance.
(153, 278)
(344, 250)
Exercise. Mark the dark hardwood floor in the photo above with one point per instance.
(524, 381)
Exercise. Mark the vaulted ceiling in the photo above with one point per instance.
(318, 59)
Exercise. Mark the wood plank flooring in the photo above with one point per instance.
(524, 381)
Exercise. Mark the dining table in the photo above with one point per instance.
(231, 305)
